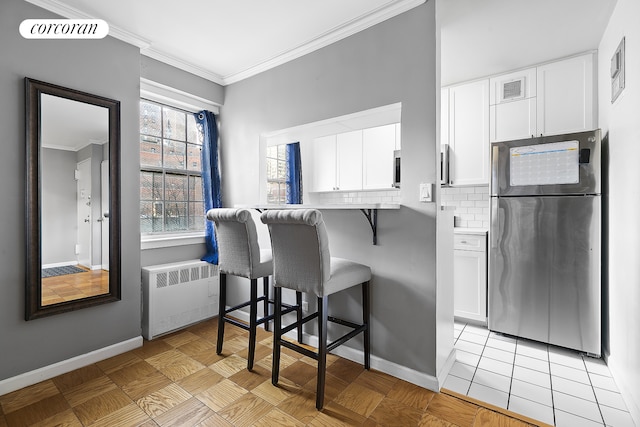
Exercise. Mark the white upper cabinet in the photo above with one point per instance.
(324, 163)
(377, 156)
(513, 108)
(566, 96)
(469, 133)
(349, 160)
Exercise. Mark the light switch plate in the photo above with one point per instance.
(426, 192)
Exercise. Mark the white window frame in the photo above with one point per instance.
(172, 97)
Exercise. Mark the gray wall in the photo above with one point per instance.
(59, 210)
(105, 67)
(394, 61)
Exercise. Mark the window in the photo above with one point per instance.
(277, 174)
(170, 170)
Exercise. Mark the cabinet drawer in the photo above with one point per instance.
(470, 242)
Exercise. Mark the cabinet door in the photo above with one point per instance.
(470, 284)
(513, 120)
(349, 160)
(377, 156)
(565, 96)
(324, 163)
(469, 133)
(444, 116)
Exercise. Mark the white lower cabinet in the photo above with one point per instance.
(470, 276)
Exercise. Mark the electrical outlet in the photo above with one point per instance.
(305, 306)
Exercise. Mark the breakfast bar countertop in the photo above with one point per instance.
(324, 206)
(369, 210)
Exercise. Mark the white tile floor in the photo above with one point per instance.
(547, 383)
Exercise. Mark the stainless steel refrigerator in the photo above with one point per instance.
(545, 240)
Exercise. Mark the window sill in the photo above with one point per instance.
(156, 241)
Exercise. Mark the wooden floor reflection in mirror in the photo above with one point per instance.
(69, 287)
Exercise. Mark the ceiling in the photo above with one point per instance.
(228, 40)
(481, 38)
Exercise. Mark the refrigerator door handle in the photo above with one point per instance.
(493, 235)
(495, 151)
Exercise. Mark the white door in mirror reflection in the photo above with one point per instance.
(83, 245)
(104, 209)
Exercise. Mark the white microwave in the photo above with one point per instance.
(444, 164)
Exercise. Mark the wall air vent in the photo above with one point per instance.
(512, 90)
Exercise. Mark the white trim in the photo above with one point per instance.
(33, 377)
(155, 241)
(158, 92)
(620, 378)
(338, 33)
(182, 65)
(70, 12)
(333, 35)
(444, 372)
(60, 264)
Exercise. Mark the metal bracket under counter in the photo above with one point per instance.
(370, 212)
(372, 217)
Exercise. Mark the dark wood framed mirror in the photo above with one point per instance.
(72, 199)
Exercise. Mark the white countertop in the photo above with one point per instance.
(467, 230)
(318, 206)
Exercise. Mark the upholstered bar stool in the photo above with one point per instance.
(239, 254)
(301, 261)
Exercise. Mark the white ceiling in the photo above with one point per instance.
(228, 40)
(484, 37)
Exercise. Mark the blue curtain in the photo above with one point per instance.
(208, 129)
(294, 174)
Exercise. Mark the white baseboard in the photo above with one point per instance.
(33, 377)
(60, 264)
(444, 372)
(625, 389)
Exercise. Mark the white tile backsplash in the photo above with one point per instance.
(471, 205)
(355, 197)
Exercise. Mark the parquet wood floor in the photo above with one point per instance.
(178, 380)
(69, 287)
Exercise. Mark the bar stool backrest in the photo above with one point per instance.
(239, 252)
(301, 258)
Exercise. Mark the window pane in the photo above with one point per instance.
(151, 186)
(195, 189)
(282, 151)
(193, 157)
(150, 119)
(150, 217)
(272, 169)
(282, 169)
(176, 218)
(272, 151)
(174, 123)
(196, 216)
(150, 151)
(174, 154)
(276, 192)
(175, 188)
(192, 130)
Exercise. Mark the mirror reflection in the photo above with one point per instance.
(75, 199)
(72, 217)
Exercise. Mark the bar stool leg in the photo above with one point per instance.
(322, 350)
(253, 320)
(222, 302)
(299, 315)
(277, 334)
(365, 321)
(265, 290)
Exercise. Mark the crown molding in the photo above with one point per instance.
(69, 12)
(333, 35)
(340, 32)
(182, 65)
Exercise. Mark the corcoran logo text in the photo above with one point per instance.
(64, 29)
